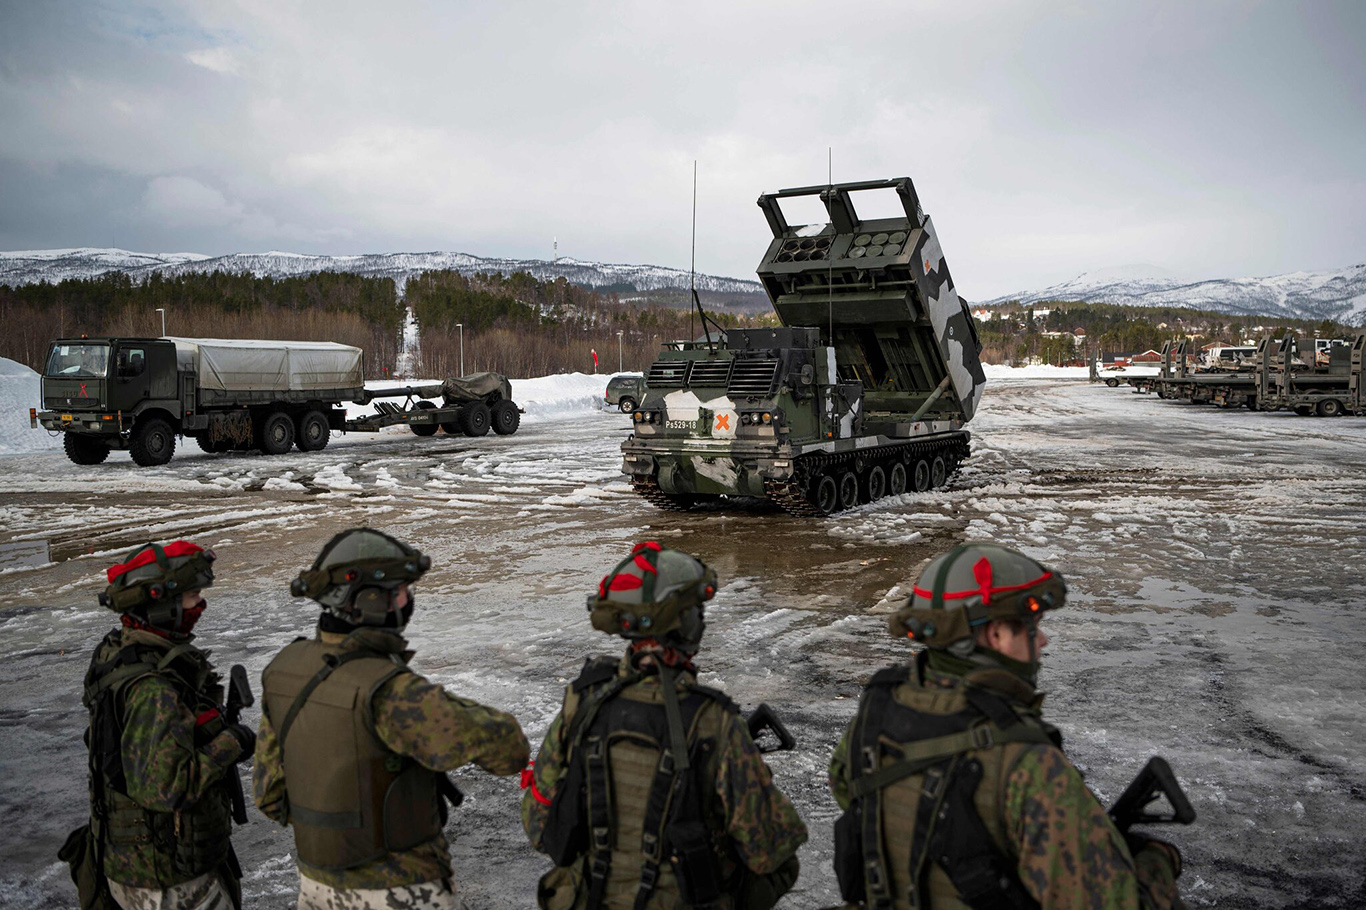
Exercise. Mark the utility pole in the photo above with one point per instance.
(162, 311)
(619, 367)
(461, 327)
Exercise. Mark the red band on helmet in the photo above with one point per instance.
(148, 555)
(646, 545)
(625, 583)
(986, 591)
(643, 561)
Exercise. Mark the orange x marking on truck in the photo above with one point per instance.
(723, 421)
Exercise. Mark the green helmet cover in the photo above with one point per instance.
(656, 592)
(356, 573)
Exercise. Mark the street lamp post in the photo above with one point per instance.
(619, 367)
(162, 311)
(461, 327)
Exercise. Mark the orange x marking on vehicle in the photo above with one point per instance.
(723, 421)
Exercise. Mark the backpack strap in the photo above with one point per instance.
(864, 762)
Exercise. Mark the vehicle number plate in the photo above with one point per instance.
(679, 424)
(66, 418)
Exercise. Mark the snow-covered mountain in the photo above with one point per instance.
(27, 267)
(1338, 294)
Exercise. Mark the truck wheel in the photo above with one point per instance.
(627, 405)
(826, 495)
(424, 429)
(848, 490)
(1112, 382)
(153, 443)
(939, 471)
(277, 434)
(920, 479)
(1252, 403)
(475, 419)
(875, 485)
(896, 480)
(313, 432)
(1330, 407)
(506, 418)
(1304, 410)
(84, 449)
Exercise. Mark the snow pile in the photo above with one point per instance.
(559, 396)
(19, 391)
(1034, 371)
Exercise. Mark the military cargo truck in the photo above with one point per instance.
(140, 393)
(864, 390)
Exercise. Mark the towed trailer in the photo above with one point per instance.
(1309, 387)
(470, 405)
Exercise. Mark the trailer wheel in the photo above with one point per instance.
(506, 418)
(627, 404)
(848, 490)
(153, 443)
(896, 480)
(276, 434)
(475, 419)
(1330, 407)
(313, 432)
(939, 471)
(1252, 403)
(875, 484)
(920, 478)
(1304, 410)
(826, 495)
(424, 429)
(1112, 382)
(84, 449)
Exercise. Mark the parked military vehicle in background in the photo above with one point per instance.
(625, 391)
(139, 394)
(863, 391)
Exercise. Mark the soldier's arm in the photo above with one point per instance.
(164, 769)
(760, 820)
(1070, 853)
(423, 721)
(839, 770)
(552, 762)
(268, 772)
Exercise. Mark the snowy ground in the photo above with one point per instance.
(1216, 559)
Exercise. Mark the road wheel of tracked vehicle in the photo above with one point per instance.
(848, 490)
(875, 484)
(1112, 382)
(896, 480)
(627, 405)
(153, 443)
(276, 434)
(1330, 407)
(920, 476)
(506, 418)
(424, 429)
(825, 495)
(313, 432)
(939, 471)
(475, 419)
(84, 449)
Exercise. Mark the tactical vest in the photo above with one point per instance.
(350, 798)
(626, 809)
(138, 843)
(925, 826)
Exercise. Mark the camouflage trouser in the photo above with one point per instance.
(203, 893)
(426, 896)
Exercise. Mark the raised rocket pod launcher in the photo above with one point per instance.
(862, 393)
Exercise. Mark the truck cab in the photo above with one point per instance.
(101, 386)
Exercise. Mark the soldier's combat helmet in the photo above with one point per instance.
(148, 584)
(968, 587)
(656, 592)
(357, 575)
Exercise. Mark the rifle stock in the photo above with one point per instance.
(764, 719)
(1156, 779)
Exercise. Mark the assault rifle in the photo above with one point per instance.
(764, 720)
(1156, 779)
(239, 697)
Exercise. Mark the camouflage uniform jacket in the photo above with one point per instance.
(175, 754)
(1036, 805)
(414, 718)
(759, 823)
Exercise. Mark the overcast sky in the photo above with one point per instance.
(1209, 139)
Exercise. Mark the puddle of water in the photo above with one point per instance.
(23, 554)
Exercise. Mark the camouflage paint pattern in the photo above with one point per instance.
(1070, 855)
(203, 893)
(419, 719)
(757, 819)
(438, 895)
(164, 769)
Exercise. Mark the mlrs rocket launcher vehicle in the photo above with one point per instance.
(863, 391)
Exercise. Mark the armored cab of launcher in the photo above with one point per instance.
(863, 391)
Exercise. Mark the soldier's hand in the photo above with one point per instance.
(1140, 842)
(245, 738)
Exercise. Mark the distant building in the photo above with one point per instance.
(1148, 356)
(982, 314)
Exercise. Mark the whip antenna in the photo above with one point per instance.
(829, 260)
(692, 270)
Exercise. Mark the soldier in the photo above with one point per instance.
(354, 744)
(956, 792)
(648, 791)
(162, 756)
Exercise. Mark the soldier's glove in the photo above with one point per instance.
(245, 738)
(1140, 842)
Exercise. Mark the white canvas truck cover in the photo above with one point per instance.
(251, 365)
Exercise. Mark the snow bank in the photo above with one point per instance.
(19, 391)
(1034, 371)
(567, 393)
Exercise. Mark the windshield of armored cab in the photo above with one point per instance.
(78, 361)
